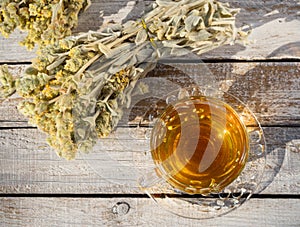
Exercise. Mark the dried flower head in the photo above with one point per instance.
(45, 21)
(7, 82)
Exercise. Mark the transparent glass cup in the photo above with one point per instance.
(208, 152)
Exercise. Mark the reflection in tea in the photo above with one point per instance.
(199, 145)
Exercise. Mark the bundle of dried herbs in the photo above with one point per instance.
(76, 88)
(44, 20)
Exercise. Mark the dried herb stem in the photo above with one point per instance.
(85, 66)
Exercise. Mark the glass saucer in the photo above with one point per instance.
(124, 158)
(207, 205)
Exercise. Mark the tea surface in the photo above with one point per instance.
(200, 145)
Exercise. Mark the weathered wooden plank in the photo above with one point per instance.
(271, 90)
(275, 29)
(137, 212)
(28, 165)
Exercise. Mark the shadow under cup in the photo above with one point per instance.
(199, 145)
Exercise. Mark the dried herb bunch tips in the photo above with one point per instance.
(7, 82)
(76, 87)
(197, 26)
(44, 20)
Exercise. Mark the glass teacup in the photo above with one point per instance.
(199, 145)
(208, 151)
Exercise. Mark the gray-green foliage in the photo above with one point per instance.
(76, 88)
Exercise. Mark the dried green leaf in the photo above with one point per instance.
(141, 37)
(199, 36)
(192, 20)
(104, 49)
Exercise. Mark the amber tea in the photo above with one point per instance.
(199, 145)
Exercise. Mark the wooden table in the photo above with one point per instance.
(40, 189)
